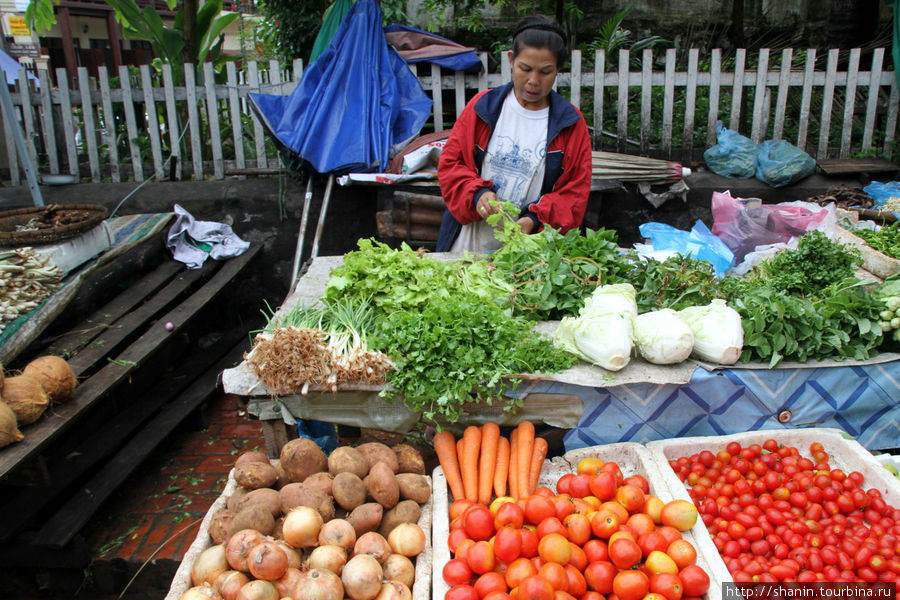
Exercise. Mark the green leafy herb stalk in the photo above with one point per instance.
(676, 282)
(886, 240)
(815, 264)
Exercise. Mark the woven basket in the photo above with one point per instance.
(51, 223)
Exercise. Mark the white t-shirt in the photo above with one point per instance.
(515, 161)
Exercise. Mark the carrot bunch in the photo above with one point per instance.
(482, 463)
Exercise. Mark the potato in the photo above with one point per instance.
(381, 483)
(268, 497)
(366, 517)
(347, 458)
(253, 516)
(235, 499)
(377, 452)
(409, 459)
(348, 490)
(414, 487)
(251, 456)
(322, 481)
(302, 457)
(299, 494)
(218, 526)
(255, 475)
(407, 511)
(283, 479)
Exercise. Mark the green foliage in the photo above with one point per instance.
(815, 264)
(676, 282)
(40, 15)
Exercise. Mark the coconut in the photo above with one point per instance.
(9, 429)
(26, 398)
(55, 376)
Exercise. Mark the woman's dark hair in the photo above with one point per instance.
(539, 31)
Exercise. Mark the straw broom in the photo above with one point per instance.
(627, 167)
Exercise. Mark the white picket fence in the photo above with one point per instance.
(103, 130)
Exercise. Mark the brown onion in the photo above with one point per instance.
(373, 544)
(338, 532)
(294, 559)
(407, 539)
(328, 557)
(201, 592)
(318, 584)
(257, 589)
(267, 561)
(394, 590)
(238, 547)
(208, 565)
(286, 583)
(301, 527)
(399, 568)
(229, 583)
(362, 576)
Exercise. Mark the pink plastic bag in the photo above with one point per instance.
(744, 226)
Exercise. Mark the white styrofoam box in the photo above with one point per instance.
(70, 254)
(632, 458)
(845, 454)
(182, 580)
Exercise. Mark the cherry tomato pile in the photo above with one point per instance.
(778, 516)
(599, 536)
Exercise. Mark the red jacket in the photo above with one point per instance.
(567, 177)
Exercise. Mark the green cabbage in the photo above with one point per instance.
(620, 298)
(600, 339)
(662, 338)
(718, 332)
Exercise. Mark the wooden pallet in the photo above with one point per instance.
(138, 381)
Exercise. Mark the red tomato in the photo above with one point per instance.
(509, 514)
(651, 541)
(578, 528)
(507, 544)
(489, 583)
(530, 542)
(456, 536)
(480, 557)
(479, 522)
(596, 550)
(556, 576)
(535, 587)
(638, 480)
(630, 585)
(694, 580)
(580, 486)
(564, 506)
(624, 553)
(577, 585)
(456, 571)
(461, 592)
(666, 584)
(578, 559)
(518, 570)
(563, 486)
(551, 525)
(538, 508)
(599, 576)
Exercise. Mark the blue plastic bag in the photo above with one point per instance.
(733, 155)
(882, 192)
(780, 163)
(698, 243)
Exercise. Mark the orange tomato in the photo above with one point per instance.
(538, 508)
(555, 548)
(604, 523)
(578, 528)
(630, 585)
(682, 552)
(631, 497)
(653, 507)
(556, 575)
(589, 465)
(480, 557)
(518, 570)
(616, 508)
(535, 588)
(660, 562)
(641, 523)
(680, 514)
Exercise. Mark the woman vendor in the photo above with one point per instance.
(521, 143)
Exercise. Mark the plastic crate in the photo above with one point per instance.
(182, 580)
(632, 458)
(845, 454)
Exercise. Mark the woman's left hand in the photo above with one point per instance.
(526, 224)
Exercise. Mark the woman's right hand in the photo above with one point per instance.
(487, 204)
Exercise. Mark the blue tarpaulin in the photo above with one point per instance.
(355, 105)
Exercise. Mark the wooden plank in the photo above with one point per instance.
(622, 123)
(89, 126)
(483, 74)
(120, 329)
(505, 68)
(98, 386)
(690, 103)
(599, 76)
(806, 97)
(842, 166)
(646, 97)
(715, 67)
(109, 124)
(737, 89)
(872, 100)
(431, 201)
(668, 103)
(196, 127)
(9, 122)
(575, 89)
(234, 108)
(891, 124)
(130, 123)
(760, 114)
(437, 96)
(827, 103)
(459, 92)
(47, 119)
(63, 525)
(258, 131)
(68, 123)
(212, 116)
(105, 317)
(849, 102)
(152, 122)
(176, 131)
(23, 85)
(783, 89)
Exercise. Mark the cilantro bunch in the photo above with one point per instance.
(815, 264)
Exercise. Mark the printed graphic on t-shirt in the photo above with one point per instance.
(513, 167)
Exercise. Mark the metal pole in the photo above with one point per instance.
(301, 236)
(19, 138)
(321, 224)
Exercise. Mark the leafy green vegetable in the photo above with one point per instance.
(676, 282)
(886, 240)
(458, 350)
(816, 264)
